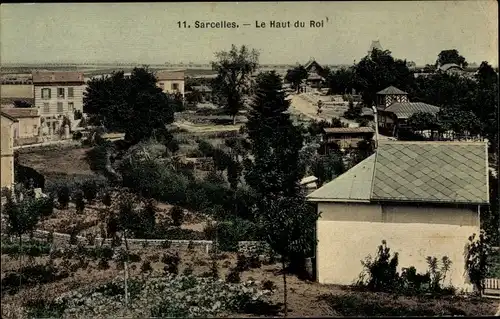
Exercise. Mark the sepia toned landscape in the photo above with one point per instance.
(245, 184)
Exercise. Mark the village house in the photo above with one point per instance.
(171, 82)
(346, 137)
(27, 129)
(423, 198)
(315, 74)
(58, 95)
(394, 109)
(7, 150)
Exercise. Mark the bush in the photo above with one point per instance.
(177, 214)
(233, 276)
(188, 270)
(103, 264)
(268, 285)
(79, 203)
(382, 271)
(171, 262)
(90, 189)
(146, 266)
(41, 308)
(242, 262)
(63, 196)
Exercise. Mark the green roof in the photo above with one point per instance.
(404, 110)
(402, 171)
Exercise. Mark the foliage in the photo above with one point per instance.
(177, 214)
(361, 304)
(378, 71)
(234, 69)
(22, 104)
(353, 112)
(437, 276)
(171, 262)
(63, 196)
(41, 308)
(31, 276)
(295, 76)
(31, 248)
(133, 105)
(79, 202)
(382, 270)
(341, 81)
(450, 56)
(477, 261)
(233, 276)
(327, 167)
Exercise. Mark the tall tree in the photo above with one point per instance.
(287, 222)
(450, 56)
(133, 105)
(234, 70)
(379, 71)
(296, 76)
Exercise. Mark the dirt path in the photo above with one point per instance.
(298, 104)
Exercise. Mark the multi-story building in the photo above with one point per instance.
(171, 81)
(7, 150)
(58, 95)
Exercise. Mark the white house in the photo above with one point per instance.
(57, 95)
(171, 81)
(423, 198)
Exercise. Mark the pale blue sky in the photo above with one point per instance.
(148, 32)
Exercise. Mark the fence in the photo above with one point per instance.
(244, 247)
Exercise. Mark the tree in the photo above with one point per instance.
(341, 81)
(234, 69)
(21, 104)
(422, 121)
(285, 219)
(132, 105)
(22, 218)
(450, 56)
(296, 76)
(327, 167)
(486, 75)
(379, 71)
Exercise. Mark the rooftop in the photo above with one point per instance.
(404, 110)
(170, 75)
(447, 66)
(21, 112)
(403, 171)
(392, 90)
(57, 76)
(7, 116)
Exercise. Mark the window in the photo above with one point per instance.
(45, 93)
(71, 92)
(60, 93)
(46, 108)
(59, 107)
(71, 106)
(175, 86)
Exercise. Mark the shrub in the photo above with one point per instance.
(233, 276)
(63, 196)
(242, 262)
(41, 308)
(382, 271)
(77, 136)
(214, 270)
(146, 266)
(106, 198)
(79, 203)
(268, 285)
(166, 244)
(188, 270)
(90, 189)
(171, 262)
(477, 260)
(103, 264)
(177, 214)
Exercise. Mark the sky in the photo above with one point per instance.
(149, 32)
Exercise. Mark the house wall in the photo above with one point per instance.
(27, 127)
(348, 233)
(166, 86)
(77, 99)
(7, 153)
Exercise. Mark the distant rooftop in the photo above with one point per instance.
(360, 129)
(404, 110)
(170, 75)
(57, 76)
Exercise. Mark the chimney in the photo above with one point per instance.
(375, 116)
